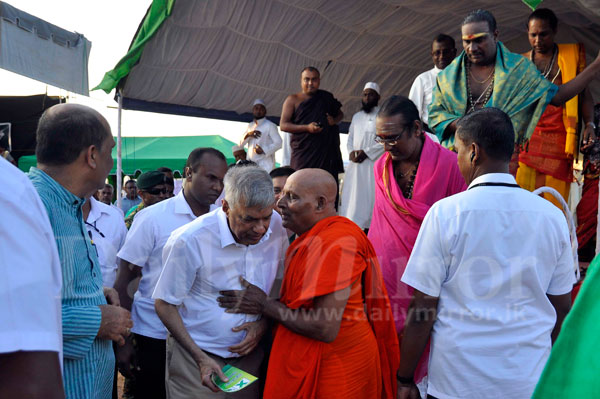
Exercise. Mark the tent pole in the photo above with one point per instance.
(119, 177)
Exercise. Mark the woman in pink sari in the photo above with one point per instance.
(410, 177)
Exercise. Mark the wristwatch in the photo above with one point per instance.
(592, 124)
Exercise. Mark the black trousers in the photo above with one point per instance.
(150, 378)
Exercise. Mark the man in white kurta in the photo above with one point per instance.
(358, 192)
(443, 51)
(261, 137)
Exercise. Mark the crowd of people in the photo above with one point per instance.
(435, 274)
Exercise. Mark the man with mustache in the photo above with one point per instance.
(141, 258)
(486, 74)
(358, 192)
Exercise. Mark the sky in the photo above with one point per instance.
(110, 25)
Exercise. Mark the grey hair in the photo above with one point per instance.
(249, 186)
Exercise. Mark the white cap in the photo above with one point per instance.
(372, 86)
(236, 148)
(259, 101)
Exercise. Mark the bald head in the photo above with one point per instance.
(316, 182)
(65, 130)
(308, 197)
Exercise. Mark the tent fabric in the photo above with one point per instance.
(149, 153)
(39, 50)
(23, 113)
(219, 55)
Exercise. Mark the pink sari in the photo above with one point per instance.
(396, 221)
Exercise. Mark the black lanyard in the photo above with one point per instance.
(495, 185)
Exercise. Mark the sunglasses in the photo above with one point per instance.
(156, 191)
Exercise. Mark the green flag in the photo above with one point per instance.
(159, 11)
(532, 3)
(573, 368)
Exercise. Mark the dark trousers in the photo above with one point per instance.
(150, 354)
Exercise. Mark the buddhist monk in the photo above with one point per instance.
(335, 334)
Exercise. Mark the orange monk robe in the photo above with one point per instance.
(363, 359)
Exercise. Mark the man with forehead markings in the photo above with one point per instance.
(335, 336)
(486, 74)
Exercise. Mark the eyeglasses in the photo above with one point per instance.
(391, 140)
(156, 191)
(93, 226)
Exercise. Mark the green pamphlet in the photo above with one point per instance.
(238, 379)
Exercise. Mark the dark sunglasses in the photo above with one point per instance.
(156, 191)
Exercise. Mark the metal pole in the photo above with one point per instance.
(119, 160)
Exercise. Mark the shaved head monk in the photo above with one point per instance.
(335, 336)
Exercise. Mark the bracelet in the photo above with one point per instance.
(405, 380)
(592, 124)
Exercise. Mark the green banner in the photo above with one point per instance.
(158, 12)
(532, 3)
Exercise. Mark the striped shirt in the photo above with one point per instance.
(88, 361)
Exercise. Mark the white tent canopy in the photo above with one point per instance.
(39, 50)
(213, 58)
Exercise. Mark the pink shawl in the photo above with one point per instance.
(396, 220)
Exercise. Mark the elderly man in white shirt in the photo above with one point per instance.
(242, 241)
(261, 137)
(443, 51)
(358, 191)
(106, 228)
(141, 256)
(492, 270)
(30, 293)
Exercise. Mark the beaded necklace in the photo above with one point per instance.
(485, 96)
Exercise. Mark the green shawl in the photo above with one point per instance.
(519, 90)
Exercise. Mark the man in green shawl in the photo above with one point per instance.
(486, 74)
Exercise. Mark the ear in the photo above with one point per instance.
(226, 207)
(418, 125)
(91, 156)
(321, 203)
(188, 173)
(475, 152)
(495, 34)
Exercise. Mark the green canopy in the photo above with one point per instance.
(149, 153)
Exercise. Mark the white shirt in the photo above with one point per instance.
(143, 247)
(421, 92)
(30, 271)
(358, 191)
(269, 141)
(491, 254)
(201, 259)
(286, 157)
(107, 230)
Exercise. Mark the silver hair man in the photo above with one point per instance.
(248, 186)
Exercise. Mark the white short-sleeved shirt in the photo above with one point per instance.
(143, 247)
(491, 254)
(30, 272)
(421, 91)
(201, 259)
(107, 228)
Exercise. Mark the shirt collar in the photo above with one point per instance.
(494, 178)
(96, 210)
(61, 192)
(182, 206)
(436, 69)
(225, 232)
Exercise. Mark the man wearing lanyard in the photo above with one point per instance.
(492, 270)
